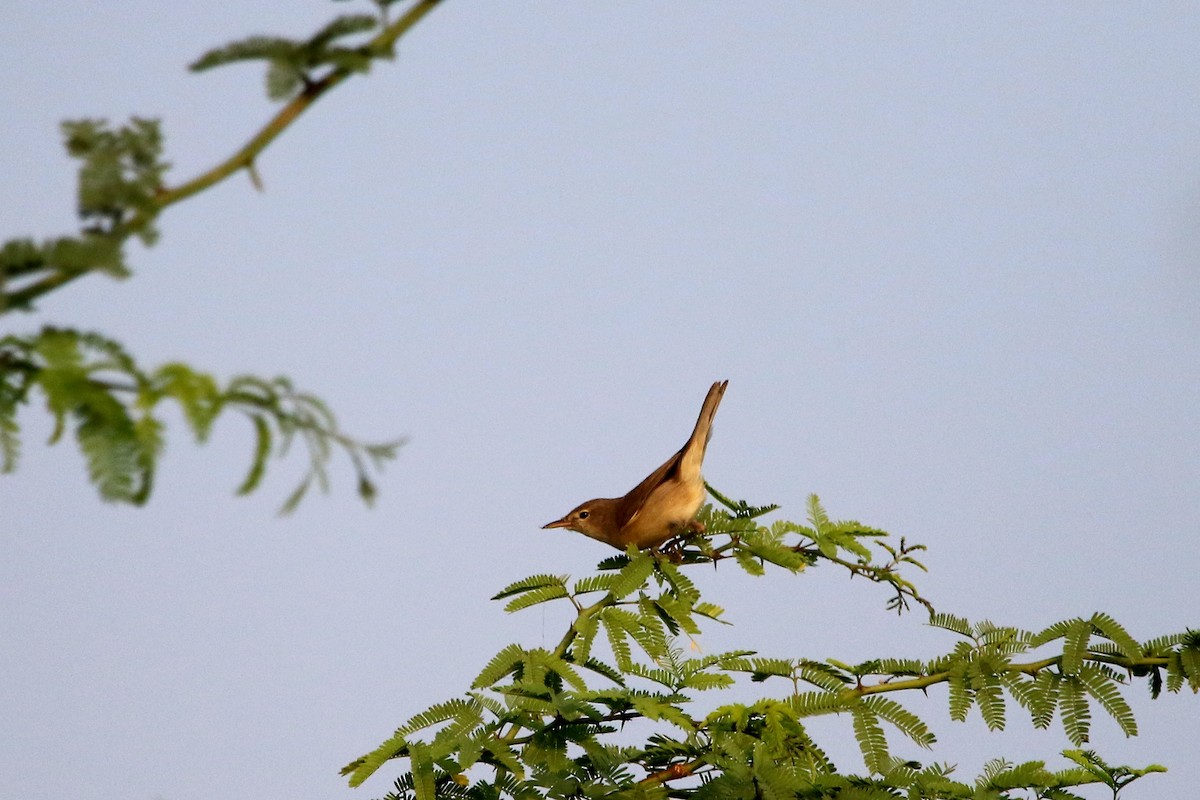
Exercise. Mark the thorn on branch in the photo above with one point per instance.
(255, 178)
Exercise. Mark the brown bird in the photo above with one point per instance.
(661, 506)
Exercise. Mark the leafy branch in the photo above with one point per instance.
(795, 546)
(121, 190)
(538, 722)
(91, 384)
(89, 380)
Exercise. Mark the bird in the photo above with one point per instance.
(663, 505)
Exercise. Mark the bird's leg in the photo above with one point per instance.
(673, 547)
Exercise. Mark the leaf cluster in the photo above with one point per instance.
(793, 546)
(121, 175)
(92, 386)
(612, 710)
(292, 64)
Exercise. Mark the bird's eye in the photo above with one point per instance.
(584, 514)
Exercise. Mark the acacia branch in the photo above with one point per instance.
(380, 46)
(922, 682)
(1032, 668)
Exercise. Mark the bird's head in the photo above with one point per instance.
(595, 518)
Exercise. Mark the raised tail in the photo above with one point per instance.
(694, 449)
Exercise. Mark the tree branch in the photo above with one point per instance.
(1032, 668)
(380, 45)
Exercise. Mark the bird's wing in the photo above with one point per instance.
(632, 502)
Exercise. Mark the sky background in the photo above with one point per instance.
(947, 255)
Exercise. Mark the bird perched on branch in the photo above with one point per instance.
(660, 507)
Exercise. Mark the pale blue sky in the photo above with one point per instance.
(947, 255)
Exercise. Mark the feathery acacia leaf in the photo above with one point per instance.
(1101, 686)
(262, 449)
(1109, 628)
(951, 623)
(1075, 641)
(593, 583)
(904, 720)
(422, 772)
(253, 48)
(535, 597)
(91, 383)
(10, 441)
(619, 624)
(531, 583)
(869, 735)
(633, 575)
(502, 665)
(1073, 708)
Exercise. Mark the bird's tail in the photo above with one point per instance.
(703, 430)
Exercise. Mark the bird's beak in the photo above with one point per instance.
(558, 523)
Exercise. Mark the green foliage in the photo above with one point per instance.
(291, 63)
(120, 174)
(93, 387)
(552, 723)
(121, 192)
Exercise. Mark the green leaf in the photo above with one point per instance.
(342, 26)
(262, 450)
(1109, 628)
(617, 626)
(740, 508)
(197, 394)
(1047, 685)
(253, 48)
(1056, 631)
(284, 79)
(586, 627)
(869, 735)
(680, 584)
(951, 623)
(536, 597)
(365, 766)
(676, 614)
(613, 562)
(704, 681)
(529, 584)
(1102, 686)
(989, 698)
(457, 708)
(653, 708)
(502, 752)
(960, 694)
(633, 576)
(10, 441)
(451, 737)
(422, 771)
(1073, 706)
(502, 665)
(293, 500)
(813, 704)
(594, 583)
(904, 720)
(559, 667)
(825, 676)
(748, 562)
(710, 611)
(1075, 643)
